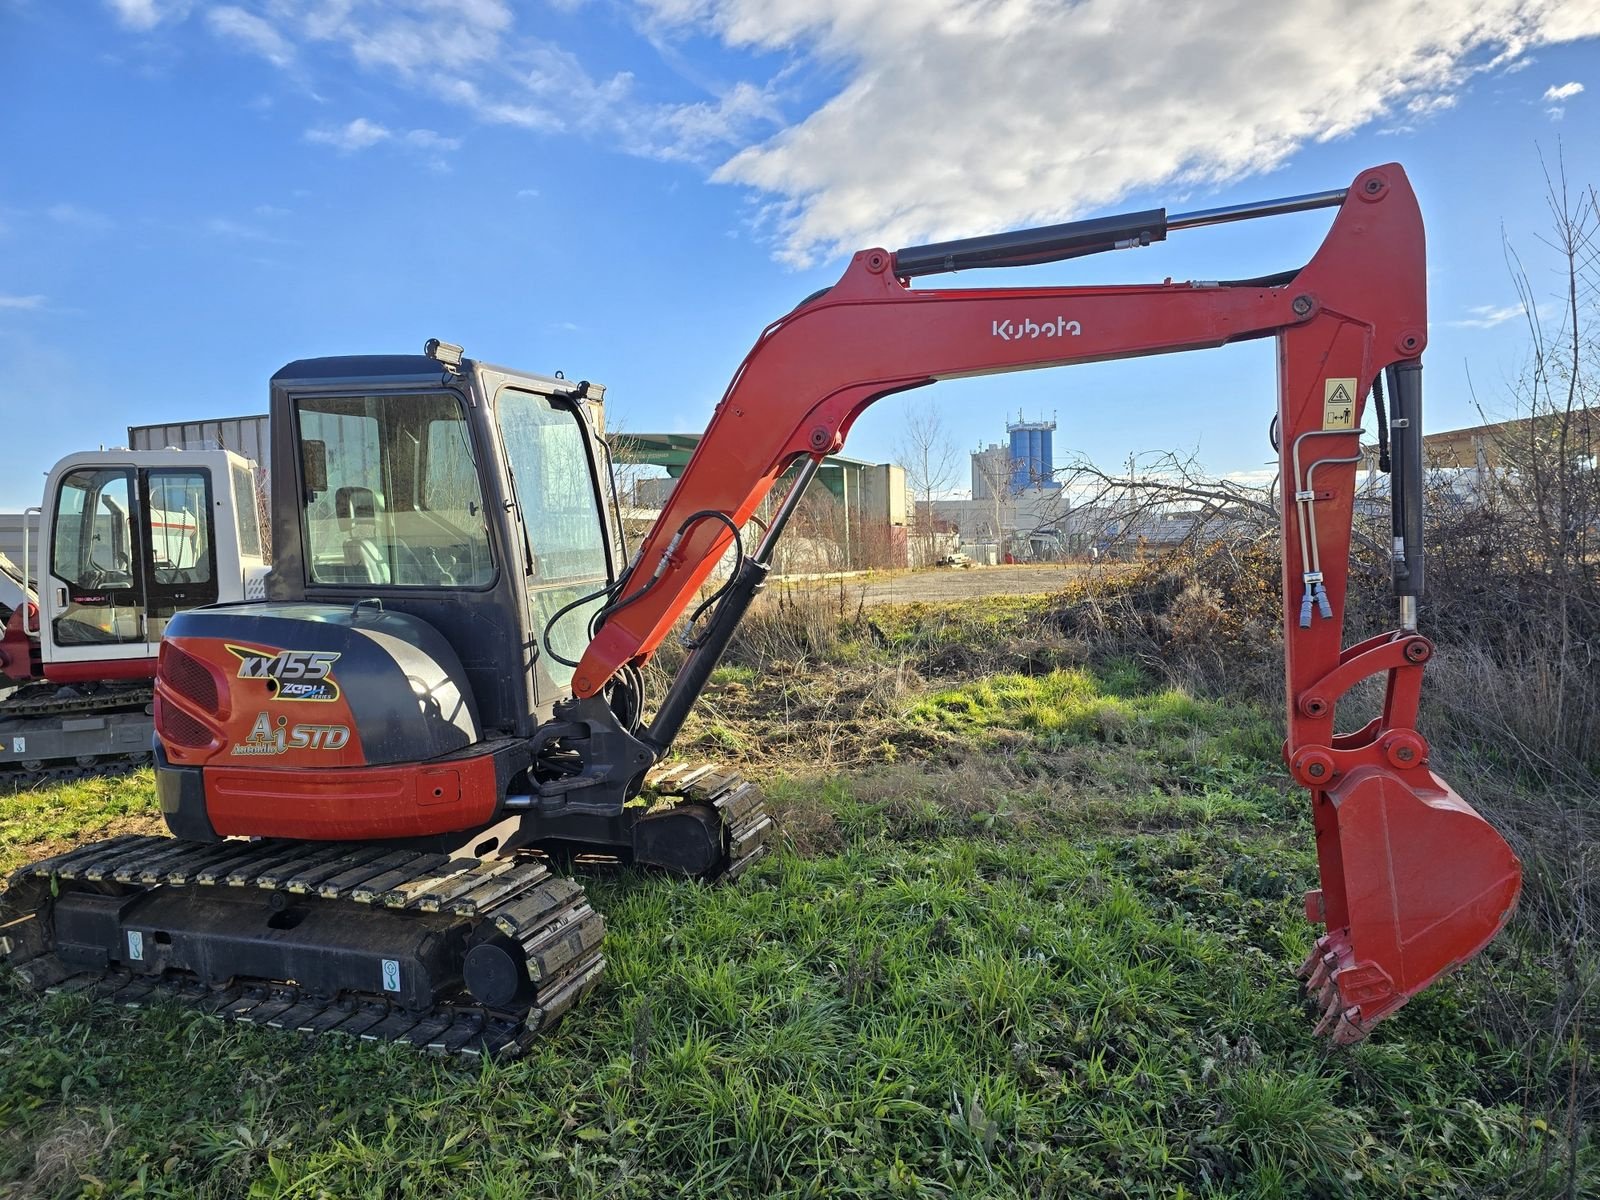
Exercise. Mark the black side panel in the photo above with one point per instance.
(182, 792)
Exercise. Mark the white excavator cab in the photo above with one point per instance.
(129, 538)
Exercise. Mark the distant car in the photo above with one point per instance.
(954, 559)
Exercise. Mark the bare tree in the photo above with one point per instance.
(929, 458)
(1163, 498)
(996, 473)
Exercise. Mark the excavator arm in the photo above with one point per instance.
(1413, 880)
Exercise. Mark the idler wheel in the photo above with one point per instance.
(496, 973)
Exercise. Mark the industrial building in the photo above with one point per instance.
(854, 517)
(1026, 460)
(1017, 504)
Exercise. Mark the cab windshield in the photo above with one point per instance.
(392, 497)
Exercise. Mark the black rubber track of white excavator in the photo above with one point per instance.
(746, 824)
(17, 777)
(518, 898)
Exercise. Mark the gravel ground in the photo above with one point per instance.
(953, 583)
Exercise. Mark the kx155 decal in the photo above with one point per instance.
(290, 674)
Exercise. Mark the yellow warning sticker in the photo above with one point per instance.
(1339, 404)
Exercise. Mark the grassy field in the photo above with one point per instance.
(1030, 933)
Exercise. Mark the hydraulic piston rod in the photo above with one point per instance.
(1074, 239)
(1256, 208)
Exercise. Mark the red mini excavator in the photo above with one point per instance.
(444, 677)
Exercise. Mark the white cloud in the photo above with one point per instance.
(22, 302)
(424, 37)
(949, 117)
(527, 193)
(361, 134)
(1564, 92)
(1487, 316)
(252, 32)
(470, 53)
(956, 117)
(143, 15)
(356, 135)
(1256, 477)
(224, 227)
(78, 217)
(689, 131)
(499, 112)
(427, 139)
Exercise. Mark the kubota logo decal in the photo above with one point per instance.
(1015, 331)
(290, 674)
(271, 735)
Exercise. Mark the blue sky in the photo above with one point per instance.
(195, 193)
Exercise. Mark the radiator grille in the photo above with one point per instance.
(189, 677)
(178, 727)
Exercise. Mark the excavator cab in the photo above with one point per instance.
(468, 496)
(128, 539)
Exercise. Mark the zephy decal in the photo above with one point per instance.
(271, 735)
(1015, 331)
(290, 674)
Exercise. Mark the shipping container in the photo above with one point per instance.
(11, 533)
(242, 435)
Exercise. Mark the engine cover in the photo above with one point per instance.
(309, 685)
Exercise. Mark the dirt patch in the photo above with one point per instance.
(953, 583)
(46, 846)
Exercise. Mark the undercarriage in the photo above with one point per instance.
(460, 955)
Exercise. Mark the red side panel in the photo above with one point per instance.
(106, 668)
(206, 686)
(352, 803)
(282, 757)
(19, 653)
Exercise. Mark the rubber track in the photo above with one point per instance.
(51, 706)
(746, 825)
(16, 778)
(560, 933)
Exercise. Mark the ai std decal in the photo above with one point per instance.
(290, 674)
(277, 736)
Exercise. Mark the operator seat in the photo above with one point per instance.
(358, 521)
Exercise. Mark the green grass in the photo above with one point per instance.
(1056, 965)
(53, 818)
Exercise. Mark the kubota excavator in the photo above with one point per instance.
(445, 673)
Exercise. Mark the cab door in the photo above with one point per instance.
(180, 553)
(92, 597)
(124, 548)
(555, 477)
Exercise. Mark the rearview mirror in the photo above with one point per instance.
(314, 465)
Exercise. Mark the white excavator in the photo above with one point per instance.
(126, 539)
